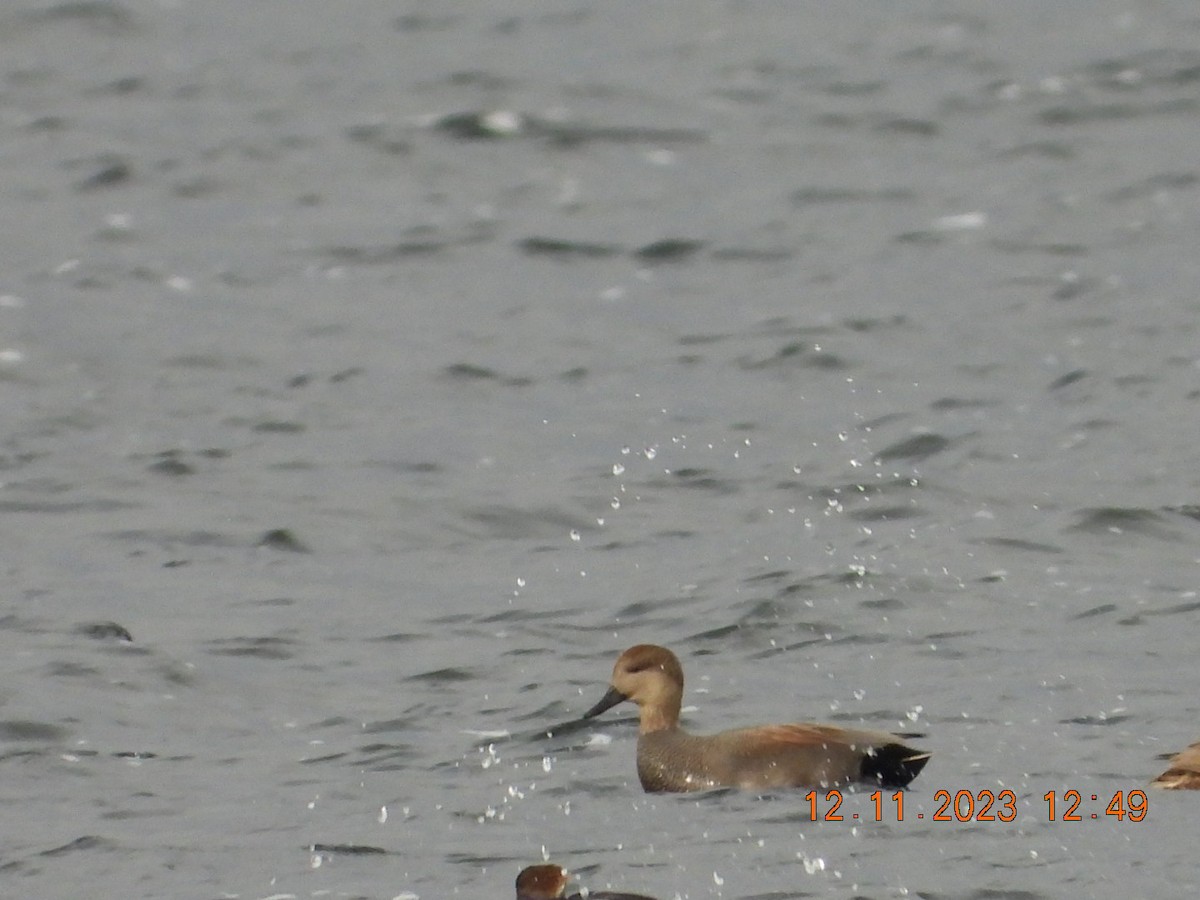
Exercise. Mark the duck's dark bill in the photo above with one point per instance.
(608, 701)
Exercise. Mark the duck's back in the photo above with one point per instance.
(773, 756)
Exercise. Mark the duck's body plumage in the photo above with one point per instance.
(1183, 773)
(765, 757)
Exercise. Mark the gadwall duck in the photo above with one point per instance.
(761, 758)
(549, 882)
(1184, 772)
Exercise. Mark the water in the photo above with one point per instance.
(851, 352)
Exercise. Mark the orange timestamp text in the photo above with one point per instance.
(984, 806)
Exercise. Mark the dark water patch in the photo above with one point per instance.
(1177, 609)
(714, 634)
(953, 404)
(27, 730)
(1058, 151)
(1021, 248)
(268, 648)
(693, 340)
(405, 467)
(104, 631)
(65, 507)
(283, 539)
(1102, 610)
(109, 172)
(399, 637)
(1135, 381)
(12, 461)
(426, 22)
(347, 849)
(1102, 720)
(70, 670)
(948, 635)
(119, 87)
(87, 842)
(383, 757)
(511, 523)
(752, 254)
(859, 640)
(699, 479)
(563, 248)
(209, 361)
(334, 722)
(170, 465)
(774, 575)
(452, 619)
(906, 127)
(1112, 520)
(921, 238)
(567, 135)
(873, 324)
(883, 603)
(167, 539)
(500, 125)
(885, 513)
(447, 675)
(825, 196)
(1008, 543)
(385, 255)
(276, 426)
(304, 379)
(466, 372)
(795, 354)
(915, 448)
(326, 758)
(1071, 285)
(668, 250)
(524, 615)
(647, 609)
(777, 326)
(986, 894)
(484, 125)
(818, 583)
(1088, 113)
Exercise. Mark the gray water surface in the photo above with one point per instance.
(373, 373)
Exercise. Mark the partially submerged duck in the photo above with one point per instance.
(549, 882)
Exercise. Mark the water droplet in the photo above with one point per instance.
(618, 469)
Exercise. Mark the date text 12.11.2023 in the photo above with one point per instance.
(985, 806)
